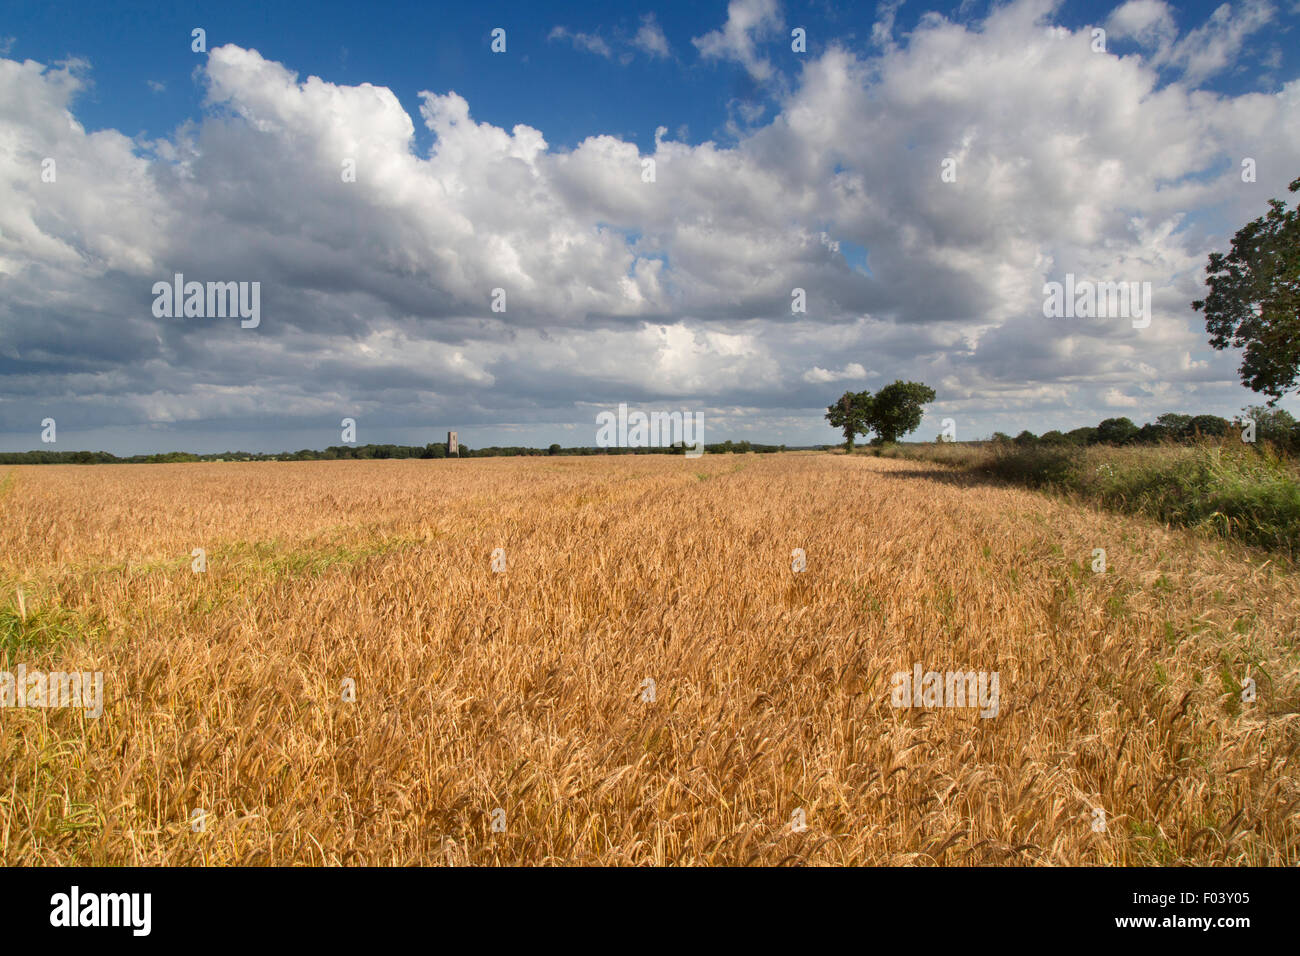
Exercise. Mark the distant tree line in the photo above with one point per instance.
(346, 452)
(1273, 425)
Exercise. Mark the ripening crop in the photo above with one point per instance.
(634, 660)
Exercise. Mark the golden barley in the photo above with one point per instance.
(353, 679)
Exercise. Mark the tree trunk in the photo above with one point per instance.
(848, 426)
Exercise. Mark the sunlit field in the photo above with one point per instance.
(353, 679)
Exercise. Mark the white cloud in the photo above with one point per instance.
(748, 21)
(882, 31)
(1149, 22)
(650, 37)
(1211, 48)
(590, 42)
(853, 371)
(1204, 51)
(376, 293)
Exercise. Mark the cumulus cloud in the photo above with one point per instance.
(1149, 22)
(748, 22)
(1114, 398)
(377, 293)
(818, 375)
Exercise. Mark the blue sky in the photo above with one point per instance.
(778, 170)
(410, 47)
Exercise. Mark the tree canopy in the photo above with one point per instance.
(891, 413)
(850, 414)
(897, 409)
(1254, 299)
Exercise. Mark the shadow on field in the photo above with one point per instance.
(948, 476)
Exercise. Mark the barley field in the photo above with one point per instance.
(648, 680)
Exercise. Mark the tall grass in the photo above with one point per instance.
(1238, 491)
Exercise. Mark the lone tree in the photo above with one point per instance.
(896, 410)
(891, 413)
(850, 414)
(1254, 299)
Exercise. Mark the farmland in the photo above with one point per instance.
(349, 680)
